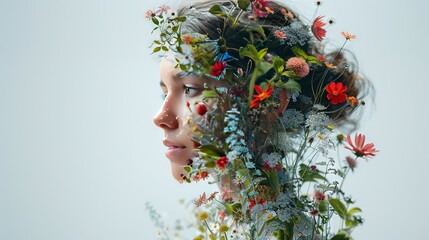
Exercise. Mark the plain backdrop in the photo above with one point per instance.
(80, 155)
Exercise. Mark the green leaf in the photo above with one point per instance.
(249, 51)
(339, 207)
(263, 67)
(180, 19)
(323, 206)
(299, 52)
(341, 236)
(292, 85)
(243, 4)
(354, 211)
(175, 28)
(187, 168)
(164, 48)
(157, 49)
(210, 94)
(258, 29)
(309, 176)
(211, 151)
(217, 10)
(155, 20)
(210, 164)
(262, 53)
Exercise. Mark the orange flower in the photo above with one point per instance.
(348, 36)
(330, 65)
(317, 28)
(360, 149)
(201, 200)
(336, 92)
(353, 101)
(187, 39)
(262, 95)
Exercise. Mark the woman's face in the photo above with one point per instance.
(177, 111)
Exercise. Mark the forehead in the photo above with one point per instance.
(169, 75)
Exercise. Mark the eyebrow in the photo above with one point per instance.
(178, 75)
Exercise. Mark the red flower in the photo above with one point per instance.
(260, 7)
(336, 92)
(315, 212)
(262, 95)
(201, 109)
(317, 28)
(277, 167)
(360, 149)
(252, 203)
(217, 68)
(221, 162)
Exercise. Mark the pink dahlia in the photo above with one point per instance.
(298, 66)
(360, 149)
(260, 7)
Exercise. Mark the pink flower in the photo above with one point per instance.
(351, 162)
(260, 7)
(298, 66)
(360, 149)
(348, 36)
(280, 34)
(150, 14)
(317, 28)
(319, 196)
(163, 9)
(217, 68)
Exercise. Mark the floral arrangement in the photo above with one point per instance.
(274, 164)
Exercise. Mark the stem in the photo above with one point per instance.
(208, 227)
(252, 86)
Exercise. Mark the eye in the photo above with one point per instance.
(191, 91)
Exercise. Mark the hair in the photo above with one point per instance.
(199, 20)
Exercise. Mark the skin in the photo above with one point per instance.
(173, 116)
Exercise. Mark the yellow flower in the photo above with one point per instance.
(198, 238)
(203, 216)
(331, 126)
(270, 215)
(223, 228)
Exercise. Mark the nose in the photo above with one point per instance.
(166, 117)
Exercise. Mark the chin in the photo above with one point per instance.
(177, 171)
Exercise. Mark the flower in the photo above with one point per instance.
(330, 65)
(222, 162)
(164, 8)
(336, 92)
(150, 14)
(201, 200)
(280, 34)
(298, 66)
(217, 68)
(187, 39)
(287, 13)
(317, 28)
(351, 162)
(223, 228)
(321, 58)
(201, 109)
(319, 196)
(260, 8)
(353, 101)
(262, 95)
(203, 216)
(348, 36)
(360, 149)
(315, 212)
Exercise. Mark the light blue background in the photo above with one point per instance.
(80, 156)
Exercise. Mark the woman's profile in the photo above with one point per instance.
(253, 102)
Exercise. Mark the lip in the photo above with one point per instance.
(174, 149)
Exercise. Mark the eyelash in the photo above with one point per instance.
(187, 91)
